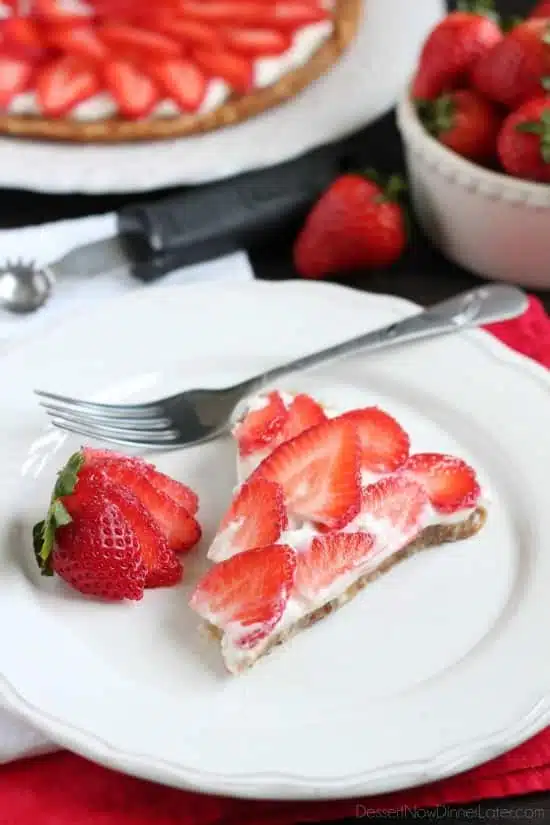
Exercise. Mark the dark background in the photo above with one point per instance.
(422, 275)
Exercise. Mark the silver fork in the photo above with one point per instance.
(195, 416)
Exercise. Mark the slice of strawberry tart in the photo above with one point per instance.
(328, 501)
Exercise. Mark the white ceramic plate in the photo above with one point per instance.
(373, 74)
(439, 665)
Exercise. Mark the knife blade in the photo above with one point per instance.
(198, 224)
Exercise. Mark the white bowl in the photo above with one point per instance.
(494, 225)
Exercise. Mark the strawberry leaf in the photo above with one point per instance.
(545, 82)
(391, 189)
(530, 128)
(43, 533)
(508, 24)
(485, 8)
(545, 150)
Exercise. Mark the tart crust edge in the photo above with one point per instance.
(430, 537)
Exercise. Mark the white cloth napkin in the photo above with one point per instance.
(48, 242)
(45, 243)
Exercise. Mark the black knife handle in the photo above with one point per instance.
(216, 219)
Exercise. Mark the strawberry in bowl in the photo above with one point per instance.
(477, 150)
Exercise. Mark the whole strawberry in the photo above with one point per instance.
(356, 224)
(542, 9)
(518, 68)
(465, 122)
(453, 48)
(524, 141)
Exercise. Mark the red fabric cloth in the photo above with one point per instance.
(64, 789)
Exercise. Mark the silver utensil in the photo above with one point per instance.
(199, 415)
(24, 287)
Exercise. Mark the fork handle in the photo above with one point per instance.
(484, 305)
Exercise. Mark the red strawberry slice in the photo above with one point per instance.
(250, 590)
(181, 493)
(64, 83)
(450, 483)
(134, 91)
(319, 472)
(256, 42)
(189, 32)
(54, 10)
(80, 40)
(182, 531)
(15, 76)
(118, 35)
(22, 37)
(117, 8)
(182, 81)
(256, 518)
(328, 558)
(384, 443)
(261, 426)
(162, 565)
(282, 14)
(233, 68)
(294, 14)
(303, 413)
(397, 499)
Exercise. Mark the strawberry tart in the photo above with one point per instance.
(122, 70)
(328, 500)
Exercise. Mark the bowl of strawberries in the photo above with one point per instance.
(475, 125)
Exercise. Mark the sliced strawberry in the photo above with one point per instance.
(396, 499)
(64, 83)
(294, 14)
(54, 10)
(190, 32)
(450, 483)
(15, 76)
(256, 42)
(134, 91)
(329, 557)
(182, 531)
(22, 37)
(118, 35)
(117, 8)
(181, 493)
(319, 473)
(261, 427)
(303, 413)
(233, 68)
(256, 518)
(183, 81)
(282, 14)
(162, 565)
(249, 590)
(80, 40)
(384, 443)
